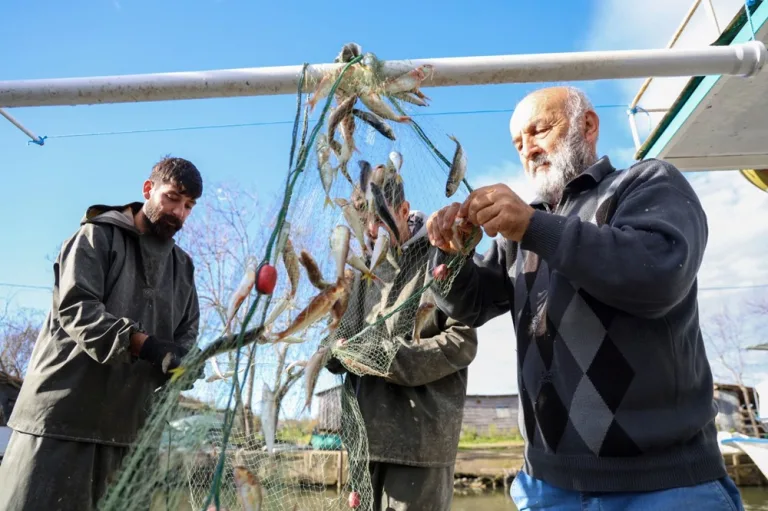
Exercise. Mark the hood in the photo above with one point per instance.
(417, 223)
(119, 216)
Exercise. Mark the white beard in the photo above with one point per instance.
(571, 158)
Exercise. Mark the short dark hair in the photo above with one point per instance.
(179, 172)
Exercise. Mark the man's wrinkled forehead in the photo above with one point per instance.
(523, 115)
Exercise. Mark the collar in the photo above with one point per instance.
(588, 178)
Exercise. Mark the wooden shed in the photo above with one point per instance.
(9, 392)
(329, 409)
(481, 411)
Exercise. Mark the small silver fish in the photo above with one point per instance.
(340, 248)
(312, 371)
(355, 262)
(458, 169)
(380, 249)
(383, 211)
(327, 172)
(342, 111)
(375, 122)
(354, 221)
(377, 105)
(410, 97)
(365, 175)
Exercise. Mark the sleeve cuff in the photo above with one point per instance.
(543, 234)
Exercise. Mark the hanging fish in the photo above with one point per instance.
(422, 313)
(348, 148)
(327, 172)
(244, 288)
(410, 97)
(340, 248)
(291, 263)
(377, 105)
(458, 169)
(313, 271)
(355, 262)
(365, 175)
(341, 112)
(375, 122)
(248, 489)
(409, 81)
(383, 212)
(380, 248)
(354, 221)
(312, 371)
(340, 307)
(318, 307)
(323, 88)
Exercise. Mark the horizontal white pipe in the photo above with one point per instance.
(743, 59)
(37, 140)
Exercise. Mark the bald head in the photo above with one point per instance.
(555, 130)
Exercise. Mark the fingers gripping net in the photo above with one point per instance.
(343, 299)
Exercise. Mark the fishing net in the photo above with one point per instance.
(340, 297)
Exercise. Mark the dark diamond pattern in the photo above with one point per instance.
(546, 343)
(611, 374)
(603, 312)
(529, 416)
(551, 415)
(617, 443)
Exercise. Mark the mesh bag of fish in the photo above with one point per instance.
(343, 282)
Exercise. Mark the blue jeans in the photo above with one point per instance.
(721, 495)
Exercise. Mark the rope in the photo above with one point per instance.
(273, 123)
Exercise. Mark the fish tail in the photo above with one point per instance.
(328, 202)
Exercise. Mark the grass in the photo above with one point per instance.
(491, 439)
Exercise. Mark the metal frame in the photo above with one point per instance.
(741, 60)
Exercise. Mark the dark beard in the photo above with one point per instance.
(161, 225)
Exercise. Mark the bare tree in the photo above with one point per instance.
(19, 329)
(728, 339)
(226, 230)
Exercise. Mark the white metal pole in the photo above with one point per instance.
(37, 140)
(633, 128)
(743, 59)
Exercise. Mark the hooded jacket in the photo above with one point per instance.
(414, 415)
(110, 281)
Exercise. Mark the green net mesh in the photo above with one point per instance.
(338, 295)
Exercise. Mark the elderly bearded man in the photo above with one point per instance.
(600, 276)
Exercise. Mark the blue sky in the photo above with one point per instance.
(47, 189)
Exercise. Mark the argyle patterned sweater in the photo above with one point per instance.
(615, 387)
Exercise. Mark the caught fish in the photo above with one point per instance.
(396, 159)
(278, 309)
(410, 97)
(313, 271)
(242, 292)
(383, 212)
(318, 307)
(312, 371)
(291, 263)
(377, 105)
(340, 307)
(392, 168)
(380, 249)
(327, 172)
(340, 248)
(365, 175)
(407, 82)
(348, 52)
(341, 112)
(348, 148)
(282, 237)
(458, 169)
(375, 122)
(354, 221)
(422, 313)
(248, 489)
(323, 88)
(355, 262)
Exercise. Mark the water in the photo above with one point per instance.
(755, 499)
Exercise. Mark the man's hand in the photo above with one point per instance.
(444, 233)
(162, 354)
(498, 210)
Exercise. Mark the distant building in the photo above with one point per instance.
(479, 412)
(329, 406)
(9, 392)
(482, 411)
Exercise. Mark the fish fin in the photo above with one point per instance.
(176, 373)
(328, 202)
